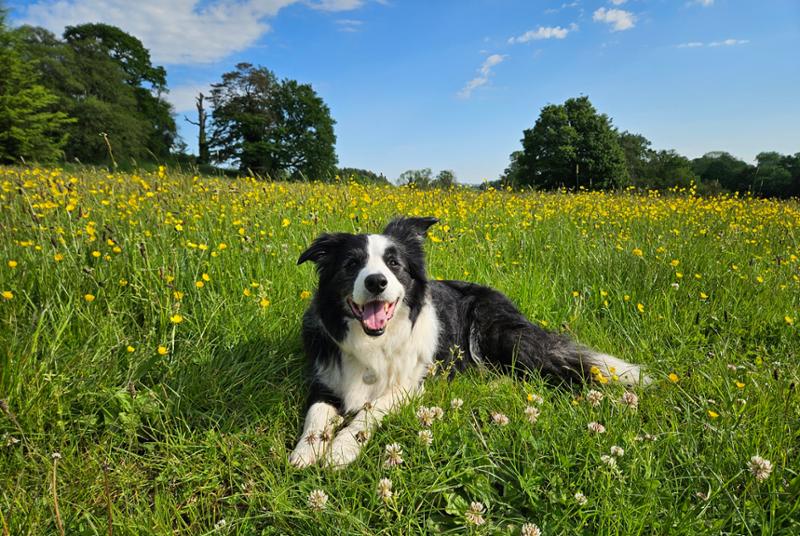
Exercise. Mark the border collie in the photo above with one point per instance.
(376, 326)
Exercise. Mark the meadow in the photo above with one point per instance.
(152, 382)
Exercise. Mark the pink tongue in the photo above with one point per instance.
(374, 316)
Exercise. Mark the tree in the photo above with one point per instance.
(417, 178)
(272, 128)
(571, 145)
(203, 156)
(104, 79)
(445, 179)
(773, 175)
(126, 50)
(362, 176)
(724, 169)
(666, 169)
(133, 58)
(31, 127)
(638, 155)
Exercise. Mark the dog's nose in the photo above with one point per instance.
(375, 283)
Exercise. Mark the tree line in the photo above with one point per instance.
(93, 96)
(573, 146)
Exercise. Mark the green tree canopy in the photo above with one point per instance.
(418, 178)
(724, 169)
(31, 126)
(280, 129)
(104, 79)
(362, 176)
(571, 145)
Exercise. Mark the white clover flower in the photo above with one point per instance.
(426, 416)
(608, 460)
(385, 489)
(630, 399)
(425, 437)
(760, 468)
(317, 500)
(456, 403)
(617, 451)
(499, 418)
(594, 397)
(530, 529)
(580, 498)
(474, 514)
(596, 428)
(394, 455)
(532, 413)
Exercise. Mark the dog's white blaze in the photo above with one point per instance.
(376, 247)
(629, 374)
(310, 447)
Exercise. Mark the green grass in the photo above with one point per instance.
(177, 443)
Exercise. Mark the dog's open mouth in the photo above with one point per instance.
(374, 315)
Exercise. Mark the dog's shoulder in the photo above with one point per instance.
(319, 347)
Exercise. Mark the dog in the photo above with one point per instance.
(376, 325)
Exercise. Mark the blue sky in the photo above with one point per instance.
(452, 85)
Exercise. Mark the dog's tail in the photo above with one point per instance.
(499, 333)
(559, 357)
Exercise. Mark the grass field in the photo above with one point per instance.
(151, 375)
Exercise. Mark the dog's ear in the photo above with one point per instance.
(322, 246)
(409, 227)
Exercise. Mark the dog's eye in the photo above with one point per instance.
(351, 263)
(392, 262)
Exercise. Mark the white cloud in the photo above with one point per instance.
(176, 31)
(543, 32)
(349, 25)
(725, 43)
(620, 2)
(618, 18)
(729, 43)
(336, 5)
(704, 3)
(183, 97)
(484, 72)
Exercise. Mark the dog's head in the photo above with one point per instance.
(367, 277)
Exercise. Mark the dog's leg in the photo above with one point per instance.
(317, 433)
(348, 442)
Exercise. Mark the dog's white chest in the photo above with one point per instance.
(398, 359)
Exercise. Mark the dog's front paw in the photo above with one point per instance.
(345, 448)
(308, 451)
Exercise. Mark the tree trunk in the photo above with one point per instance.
(202, 141)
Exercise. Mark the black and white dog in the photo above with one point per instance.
(377, 324)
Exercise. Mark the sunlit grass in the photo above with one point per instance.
(149, 325)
